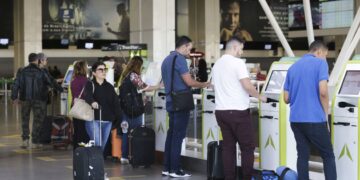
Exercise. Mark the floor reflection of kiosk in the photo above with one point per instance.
(345, 117)
(277, 144)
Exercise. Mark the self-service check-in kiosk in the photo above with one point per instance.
(210, 129)
(160, 117)
(277, 144)
(64, 96)
(345, 122)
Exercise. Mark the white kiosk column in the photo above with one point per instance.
(153, 22)
(27, 30)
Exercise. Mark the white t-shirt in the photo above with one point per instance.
(226, 75)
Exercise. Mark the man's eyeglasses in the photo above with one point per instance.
(102, 69)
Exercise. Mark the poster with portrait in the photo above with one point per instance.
(247, 20)
(86, 19)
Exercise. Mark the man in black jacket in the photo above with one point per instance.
(28, 87)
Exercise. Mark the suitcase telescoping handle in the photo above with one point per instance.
(100, 121)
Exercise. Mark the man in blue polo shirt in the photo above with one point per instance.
(306, 90)
(178, 120)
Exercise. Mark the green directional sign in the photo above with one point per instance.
(161, 128)
(210, 134)
(270, 141)
(344, 150)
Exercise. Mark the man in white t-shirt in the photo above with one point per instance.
(232, 87)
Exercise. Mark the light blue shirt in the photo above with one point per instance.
(302, 83)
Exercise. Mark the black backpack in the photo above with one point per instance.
(130, 100)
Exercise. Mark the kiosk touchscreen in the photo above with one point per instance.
(277, 144)
(345, 122)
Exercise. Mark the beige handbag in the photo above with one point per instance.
(81, 109)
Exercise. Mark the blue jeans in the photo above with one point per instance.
(105, 131)
(178, 122)
(133, 123)
(318, 135)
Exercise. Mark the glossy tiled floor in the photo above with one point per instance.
(49, 164)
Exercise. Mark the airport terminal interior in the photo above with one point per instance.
(277, 33)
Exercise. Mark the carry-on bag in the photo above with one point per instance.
(115, 144)
(61, 133)
(88, 162)
(215, 167)
(142, 146)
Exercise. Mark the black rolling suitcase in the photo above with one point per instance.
(88, 162)
(142, 146)
(215, 167)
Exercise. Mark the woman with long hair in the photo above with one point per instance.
(101, 95)
(131, 88)
(77, 87)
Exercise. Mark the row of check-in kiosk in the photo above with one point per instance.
(277, 146)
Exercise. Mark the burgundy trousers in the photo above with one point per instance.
(237, 126)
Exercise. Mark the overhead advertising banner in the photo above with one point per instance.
(246, 19)
(6, 22)
(86, 19)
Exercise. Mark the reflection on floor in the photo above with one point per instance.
(46, 163)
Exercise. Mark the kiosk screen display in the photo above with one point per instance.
(351, 83)
(67, 78)
(276, 81)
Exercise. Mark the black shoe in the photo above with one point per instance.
(179, 174)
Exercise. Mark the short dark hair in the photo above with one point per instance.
(96, 65)
(182, 41)
(33, 57)
(316, 45)
(41, 56)
(232, 40)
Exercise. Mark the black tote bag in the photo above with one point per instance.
(181, 100)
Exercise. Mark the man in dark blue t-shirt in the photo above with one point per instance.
(306, 90)
(178, 120)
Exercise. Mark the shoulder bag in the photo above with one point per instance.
(81, 109)
(181, 100)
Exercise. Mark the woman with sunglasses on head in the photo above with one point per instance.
(101, 95)
(131, 88)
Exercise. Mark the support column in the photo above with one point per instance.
(27, 30)
(204, 27)
(153, 22)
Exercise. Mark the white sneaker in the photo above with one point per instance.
(124, 161)
(25, 144)
(165, 173)
(179, 174)
(106, 177)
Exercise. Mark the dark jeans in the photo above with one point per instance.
(39, 113)
(236, 126)
(318, 135)
(178, 122)
(133, 123)
(80, 134)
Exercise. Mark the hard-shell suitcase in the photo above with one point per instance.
(215, 167)
(115, 144)
(61, 133)
(142, 146)
(88, 162)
